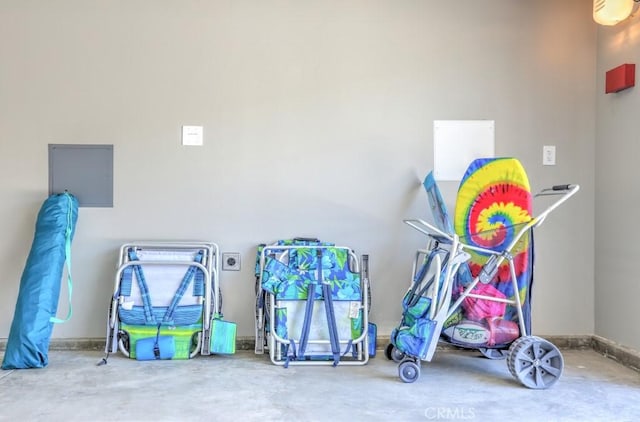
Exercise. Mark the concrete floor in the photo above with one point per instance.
(455, 386)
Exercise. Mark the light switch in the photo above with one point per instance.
(549, 155)
(192, 135)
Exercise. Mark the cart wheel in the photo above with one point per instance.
(511, 354)
(494, 354)
(388, 351)
(392, 353)
(535, 362)
(409, 371)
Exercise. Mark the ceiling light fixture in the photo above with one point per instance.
(611, 12)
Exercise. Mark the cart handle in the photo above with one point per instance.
(567, 191)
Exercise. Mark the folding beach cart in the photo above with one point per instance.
(471, 286)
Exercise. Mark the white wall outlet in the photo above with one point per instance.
(231, 261)
(549, 155)
(192, 135)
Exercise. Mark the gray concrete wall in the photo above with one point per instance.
(617, 194)
(318, 121)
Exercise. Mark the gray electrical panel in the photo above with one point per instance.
(85, 171)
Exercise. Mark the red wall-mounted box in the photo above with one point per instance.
(621, 77)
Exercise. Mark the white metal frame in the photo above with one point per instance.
(211, 303)
(275, 342)
(458, 251)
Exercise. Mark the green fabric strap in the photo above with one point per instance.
(67, 253)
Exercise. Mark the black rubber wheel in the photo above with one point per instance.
(388, 350)
(392, 353)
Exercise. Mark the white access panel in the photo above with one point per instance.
(456, 143)
(192, 135)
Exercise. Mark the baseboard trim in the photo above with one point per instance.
(622, 354)
(562, 342)
(625, 355)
